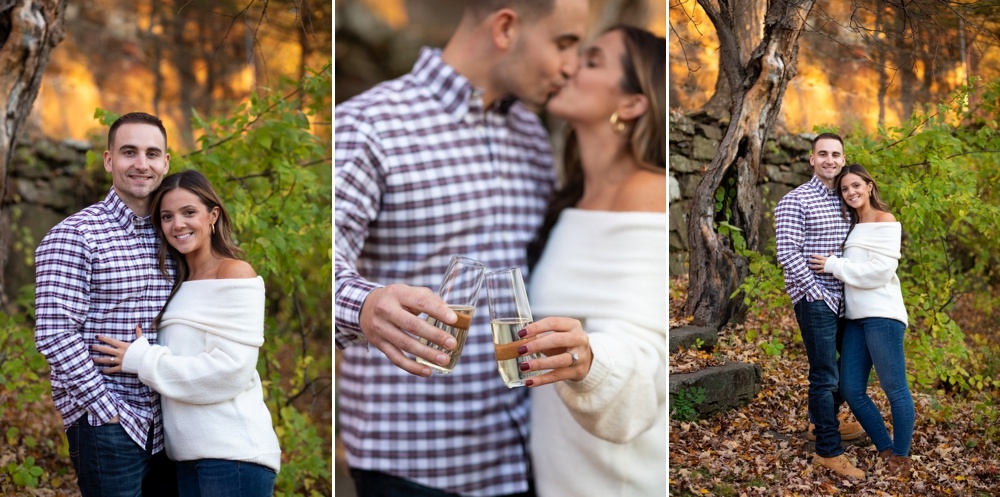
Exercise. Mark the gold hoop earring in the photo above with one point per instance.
(213, 228)
(617, 125)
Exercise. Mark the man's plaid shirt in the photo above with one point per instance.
(96, 274)
(809, 221)
(424, 172)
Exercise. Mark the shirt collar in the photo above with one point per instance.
(119, 211)
(818, 185)
(452, 89)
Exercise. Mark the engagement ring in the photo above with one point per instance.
(575, 358)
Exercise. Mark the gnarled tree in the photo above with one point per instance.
(727, 195)
(29, 30)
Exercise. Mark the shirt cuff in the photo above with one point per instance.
(103, 409)
(350, 300)
(815, 293)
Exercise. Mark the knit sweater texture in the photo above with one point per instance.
(606, 434)
(205, 369)
(868, 270)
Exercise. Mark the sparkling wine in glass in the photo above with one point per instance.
(509, 313)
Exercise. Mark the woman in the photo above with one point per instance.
(876, 316)
(216, 424)
(603, 263)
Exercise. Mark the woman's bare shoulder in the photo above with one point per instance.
(235, 268)
(885, 217)
(644, 191)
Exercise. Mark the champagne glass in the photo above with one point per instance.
(509, 313)
(460, 290)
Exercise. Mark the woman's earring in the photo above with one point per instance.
(213, 228)
(616, 124)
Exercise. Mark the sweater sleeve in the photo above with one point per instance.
(218, 375)
(626, 388)
(875, 272)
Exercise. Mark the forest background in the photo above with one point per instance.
(245, 92)
(913, 88)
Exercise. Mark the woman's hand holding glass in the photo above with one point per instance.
(565, 345)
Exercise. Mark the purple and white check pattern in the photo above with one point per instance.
(96, 274)
(809, 221)
(424, 172)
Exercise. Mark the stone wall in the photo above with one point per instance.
(47, 182)
(694, 140)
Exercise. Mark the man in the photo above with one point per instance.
(96, 273)
(442, 161)
(809, 221)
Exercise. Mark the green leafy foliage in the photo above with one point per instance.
(684, 405)
(21, 390)
(26, 473)
(308, 467)
(20, 364)
(773, 347)
(937, 172)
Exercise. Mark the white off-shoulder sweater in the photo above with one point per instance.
(607, 434)
(205, 369)
(868, 270)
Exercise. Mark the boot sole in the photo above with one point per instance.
(846, 437)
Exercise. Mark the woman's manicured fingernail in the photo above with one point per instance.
(522, 350)
(523, 333)
(524, 366)
(528, 383)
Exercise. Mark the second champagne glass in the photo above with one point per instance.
(509, 313)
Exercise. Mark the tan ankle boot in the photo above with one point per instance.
(840, 465)
(848, 431)
(899, 466)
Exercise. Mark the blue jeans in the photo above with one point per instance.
(378, 484)
(820, 328)
(878, 342)
(224, 478)
(110, 464)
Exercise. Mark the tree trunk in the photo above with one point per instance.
(185, 66)
(881, 60)
(758, 87)
(747, 23)
(29, 30)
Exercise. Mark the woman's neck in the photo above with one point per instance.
(866, 214)
(606, 165)
(202, 264)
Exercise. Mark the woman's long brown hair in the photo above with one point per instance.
(222, 240)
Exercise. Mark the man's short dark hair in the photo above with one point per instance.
(135, 118)
(827, 136)
(529, 9)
